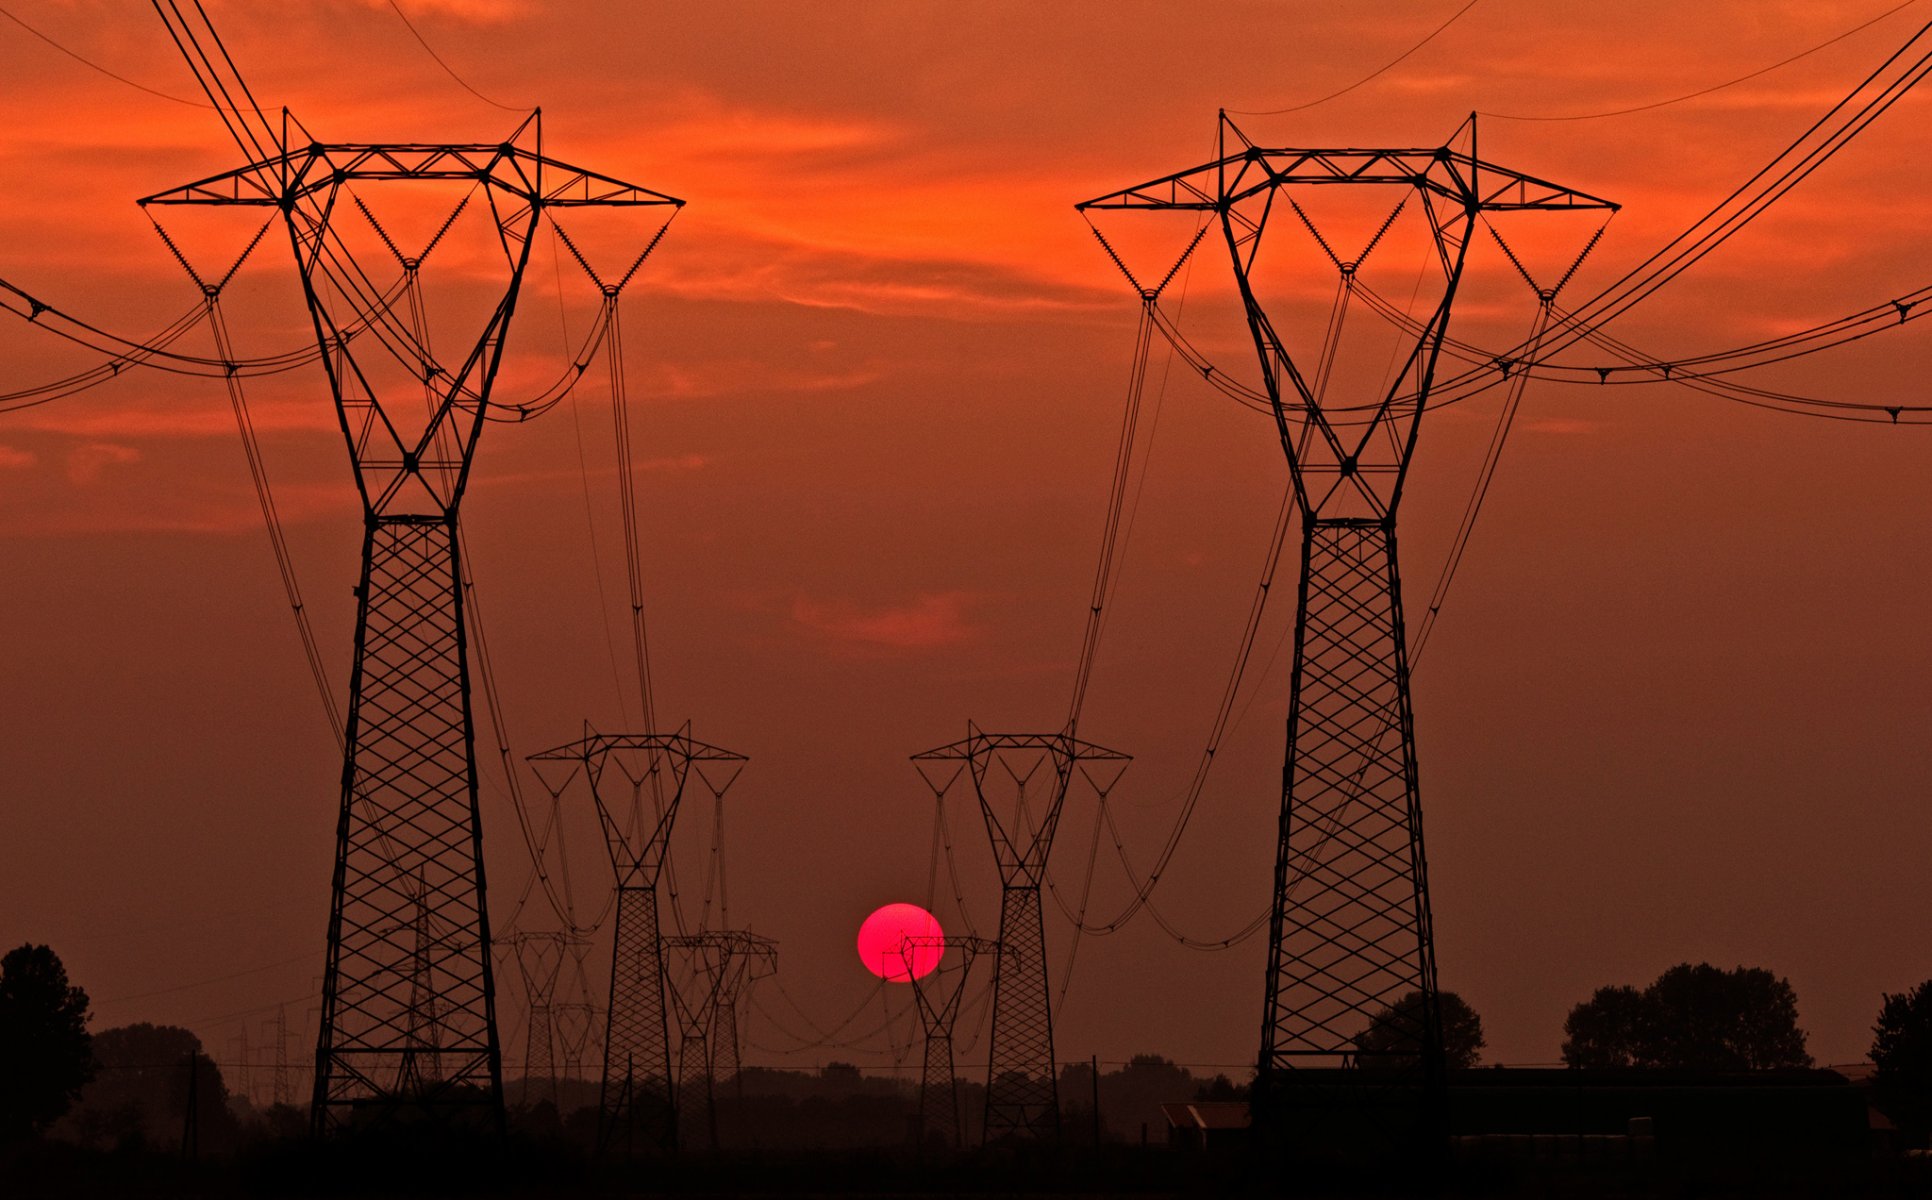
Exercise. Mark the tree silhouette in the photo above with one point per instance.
(1691, 1018)
(1606, 1029)
(140, 1096)
(1902, 1054)
(1394, 1035)
(45, 1053)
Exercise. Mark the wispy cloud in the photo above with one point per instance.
(929, 621)
(12, 459)
(1563, 426)
(87, 463)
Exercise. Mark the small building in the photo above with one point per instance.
(1206, 1124)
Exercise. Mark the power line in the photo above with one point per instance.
(449, 70)
(1371, 76)
(1716, 87)
(92, 65)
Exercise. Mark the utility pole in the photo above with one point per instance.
(1021, 781)
(408, 835)
(637, 781)
(1350, 933)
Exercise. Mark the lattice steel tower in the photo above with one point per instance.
(637, 783)
(408, 837)
(937, 995)
(1350, 933)
(540, 959)
(705, 990)
(1009, 771)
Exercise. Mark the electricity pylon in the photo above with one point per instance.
(637, 782)
(1350, 933)
(282, 1093)
(1022, 1091)
(937, 995)
(540, 958)
(704, 991)
(408, 830)
(753, 958)
(574, 1023)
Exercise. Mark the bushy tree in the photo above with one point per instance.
(1394, 1035)
(1692, 1018)
(1902, 1054)
(141, 1094)
(1605, 1030)
(45, 1053)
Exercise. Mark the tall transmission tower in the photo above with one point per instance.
(408, 835)
(1350, 932)
(637, 781)
(540, 959)
(1021, 780)
(937, 995)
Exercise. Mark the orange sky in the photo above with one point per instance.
(1673, 711)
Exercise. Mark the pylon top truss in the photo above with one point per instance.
(1349, 460)
(659, 763)
(406, 463)
(1021, 849)
(1460, 180)
(320, 169)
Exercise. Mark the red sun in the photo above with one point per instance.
(882, 945)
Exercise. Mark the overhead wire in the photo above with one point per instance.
(441, 62)
(1716, 87)
(94, 66)
(1370, 77)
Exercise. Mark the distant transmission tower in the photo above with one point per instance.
(637, 781)
(408, 839)
(574, 1023)
(540, 958)
(704, 993)
(1350, 934)
(937, 995)
(1021, 780)
(283, 1094)
(753, 958)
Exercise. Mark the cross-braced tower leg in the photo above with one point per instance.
(636, 1110)
(1022, 1088)
(939, 1093)
(1350, 936)
(408, 844)
(539, 1061)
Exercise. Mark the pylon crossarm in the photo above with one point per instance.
(1467, 183)
(304, 171)
(636, 862)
